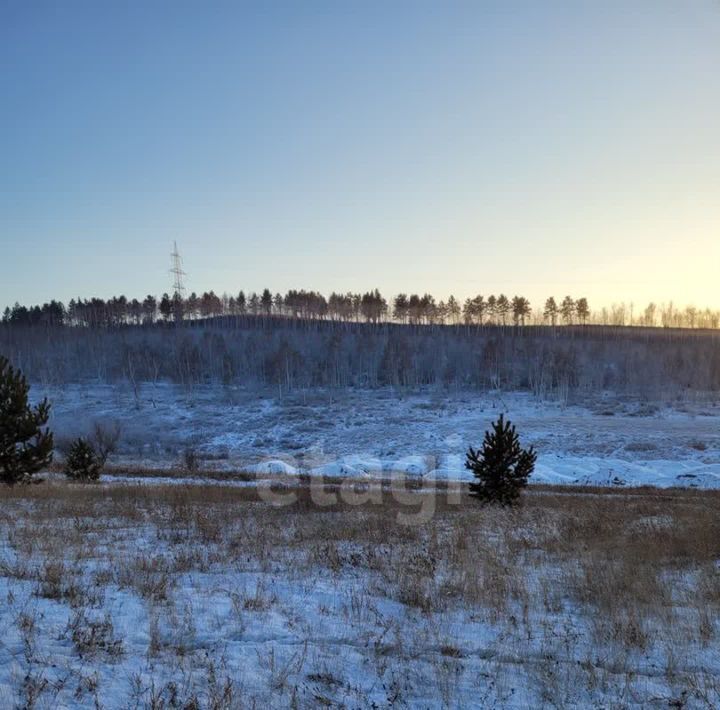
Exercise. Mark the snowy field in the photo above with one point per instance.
(189, 586)
(123, 596)
(601, 441)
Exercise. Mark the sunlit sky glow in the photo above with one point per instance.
(540, 148)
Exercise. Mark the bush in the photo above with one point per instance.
(25, 447)
(82, 462)
(502, 467)
(105, 438)
(190, 460)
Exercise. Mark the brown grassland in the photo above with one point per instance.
(593, 597)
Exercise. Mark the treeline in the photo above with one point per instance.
(550, 362)
(369, 307)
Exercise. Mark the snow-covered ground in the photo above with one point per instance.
(135, 593)
(604, 440)
(121, 596)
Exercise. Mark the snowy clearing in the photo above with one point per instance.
(605, 441)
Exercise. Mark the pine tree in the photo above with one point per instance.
(266, 302)
(502, 306)
(583, 309)
(502, 467)
(25, 447)
(82, 462)
(520, 309)
(166, 307)
(567, 309)
(551, 311)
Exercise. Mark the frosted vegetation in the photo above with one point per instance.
(601, 405)
(608, 440)
(125, 596)
(178, 581)
(565, 364)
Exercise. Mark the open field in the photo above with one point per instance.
(598, 439)
(127, 596)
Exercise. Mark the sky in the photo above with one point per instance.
(539, 148)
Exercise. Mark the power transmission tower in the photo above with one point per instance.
(178, 285)
(177, 272)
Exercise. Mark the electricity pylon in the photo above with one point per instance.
(177, 272)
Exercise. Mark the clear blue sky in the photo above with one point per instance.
(532, 147)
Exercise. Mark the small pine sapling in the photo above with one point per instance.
(82, 463)
(502, 467)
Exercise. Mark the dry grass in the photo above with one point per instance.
(583, 587)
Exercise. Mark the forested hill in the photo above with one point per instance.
(295, 353)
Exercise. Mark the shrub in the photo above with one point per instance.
(190, 460)
(105, 438)
(25, 447)
(82, 462)
(502, 467)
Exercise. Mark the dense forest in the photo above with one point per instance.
(293, 353)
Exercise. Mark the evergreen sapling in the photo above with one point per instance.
(82, 462)
(502, 467)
